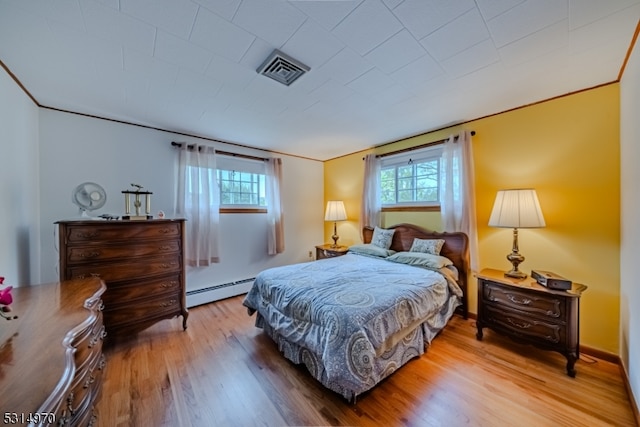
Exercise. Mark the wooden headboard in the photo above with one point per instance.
(456, 248)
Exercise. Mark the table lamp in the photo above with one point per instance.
(517, 208)
(335, 212)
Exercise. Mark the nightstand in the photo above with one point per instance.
(326, 251)
(530, 313)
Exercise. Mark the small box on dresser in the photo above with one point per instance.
(141, 262)
(530, 313)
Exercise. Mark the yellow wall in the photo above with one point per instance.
(568, 150)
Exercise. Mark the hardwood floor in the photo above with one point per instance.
(223, 371)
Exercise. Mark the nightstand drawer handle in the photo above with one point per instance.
(524, 301)
(519, 325)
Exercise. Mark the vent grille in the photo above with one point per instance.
(282, 68)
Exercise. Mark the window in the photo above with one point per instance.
(242, 189)
(411, 179)
(242, 184)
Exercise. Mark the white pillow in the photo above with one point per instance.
(382, 237)
(428, 246)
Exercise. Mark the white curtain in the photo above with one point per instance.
(457, 191)
(274, 207)
(198, 201)
(371, 209)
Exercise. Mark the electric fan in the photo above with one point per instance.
(88, 196)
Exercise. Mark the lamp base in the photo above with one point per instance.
(516, 274)
(516, 259)
(335, 236)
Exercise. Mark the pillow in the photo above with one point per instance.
(382, 237)
(421, 259)
(428, 246)
(371, 250)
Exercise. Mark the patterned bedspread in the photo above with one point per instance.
(352, 320)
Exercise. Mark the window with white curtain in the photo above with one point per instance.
(242, 182)
(411, 179)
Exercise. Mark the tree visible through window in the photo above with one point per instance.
(411, 181)
(242, 188)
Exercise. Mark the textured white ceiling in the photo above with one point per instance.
(381, 70)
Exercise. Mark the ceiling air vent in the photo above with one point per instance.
(282, 68)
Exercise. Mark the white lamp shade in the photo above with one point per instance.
(335, 211)
(517, 208)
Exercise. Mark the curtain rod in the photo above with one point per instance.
(417, 147)
(224, 153)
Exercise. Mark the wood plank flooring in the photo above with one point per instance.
(223, 371)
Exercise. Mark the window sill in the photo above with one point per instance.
(242, 210)
(411, 209)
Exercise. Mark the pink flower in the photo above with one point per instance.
(5, 295)
(1, 280)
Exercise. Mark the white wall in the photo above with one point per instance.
(75, 149)
(19, 169)
(630, 224)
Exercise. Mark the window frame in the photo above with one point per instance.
(260, 193)
(240, 165)
(430, 153)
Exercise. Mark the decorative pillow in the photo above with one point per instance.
(421, 259)
(382, 237)
(371, 250)
(428, 246)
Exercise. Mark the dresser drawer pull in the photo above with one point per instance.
(84, 275)
(524, 325)
(515, 300)
(165, 248)
(86, 235)
(170, 265)
(168, 285)
(64, 418)
(168, 303)
(70, 399)
(89, 381)
(89, 254)
(97, 337)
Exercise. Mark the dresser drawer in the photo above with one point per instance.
(121, 232)
(141, 310)
(125, 270)
(118, 292)
(83, 254)
(545, 332)
(527, 301)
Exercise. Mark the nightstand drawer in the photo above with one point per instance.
(327, 251)
(521, 325)
(527, 301)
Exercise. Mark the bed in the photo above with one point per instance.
(355, 319)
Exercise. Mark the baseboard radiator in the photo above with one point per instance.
(213, 293)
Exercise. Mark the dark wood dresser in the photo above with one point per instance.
(531, 313)
(51, 359)
(142, 263)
